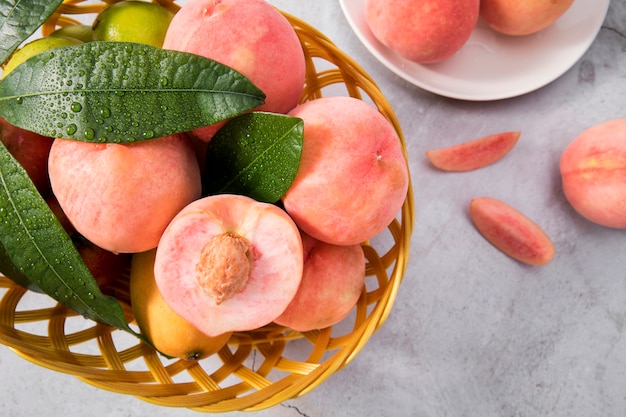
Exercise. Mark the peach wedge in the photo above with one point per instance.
(473, 154)
(511, 231)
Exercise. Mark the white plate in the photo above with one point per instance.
(491, 66)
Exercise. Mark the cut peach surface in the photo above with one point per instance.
(473, 154)
(511, 232)
(229, 263)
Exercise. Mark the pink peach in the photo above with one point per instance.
(229, 263)
(518, 18)
(423, 31)
(353, 177)
(332, 282)
(593, 173)
(121, 197)
(31, 150)
(250, 36)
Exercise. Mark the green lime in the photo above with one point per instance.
(80, 32)
(34, 47)
(133, 21)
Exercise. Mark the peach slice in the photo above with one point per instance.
(229, 263)
(473, 154)
(511, 231)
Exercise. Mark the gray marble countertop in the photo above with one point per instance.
(472, 332)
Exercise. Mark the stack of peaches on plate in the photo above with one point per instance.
(430, 31)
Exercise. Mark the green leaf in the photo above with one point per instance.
(19, 19)
(122, 92)
(256, 154)
(36, 245)
(9, 270)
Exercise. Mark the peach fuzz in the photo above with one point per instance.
(167, 331)
(332, 282)
(353, 177)
(423, 31)
(121, 197)
(473, 154)
(511, 232)
(593, 173)
(519, 18)
(229, 263)
(250, 36)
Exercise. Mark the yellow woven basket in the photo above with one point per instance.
(256, 369)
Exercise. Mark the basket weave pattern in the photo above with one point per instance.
(256, 369)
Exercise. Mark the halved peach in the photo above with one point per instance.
(511, 232)
(473, 154)
(229, 263)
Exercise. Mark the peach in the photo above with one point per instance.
(593, 173)
(229, 263)
(423, 31)
(353, 177)
(473, 154)
(58, 212)
(250, 36)
(511, 232)
(167, 331)
(31, 150)
(122, 196)
(518, 18)
(105, 266)
(332, 282)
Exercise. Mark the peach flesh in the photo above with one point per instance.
(353, 177)
(473, 154)
(250, 36)
(511, 232)
(332, 282)
(276, 263)
(593, 173)
(519, 18)
(423, 31)
(125, 195)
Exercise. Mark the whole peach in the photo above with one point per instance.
(250, 36)
(229, 263)
(593, 172)
(332, 282)
(518, 18)
(106, 267)
(423, 31)
(353, 177)
(122, 196)
(31, 150)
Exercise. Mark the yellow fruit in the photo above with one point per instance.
(80, 32)
(133, 21)
(168, 332)
(35, 47)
